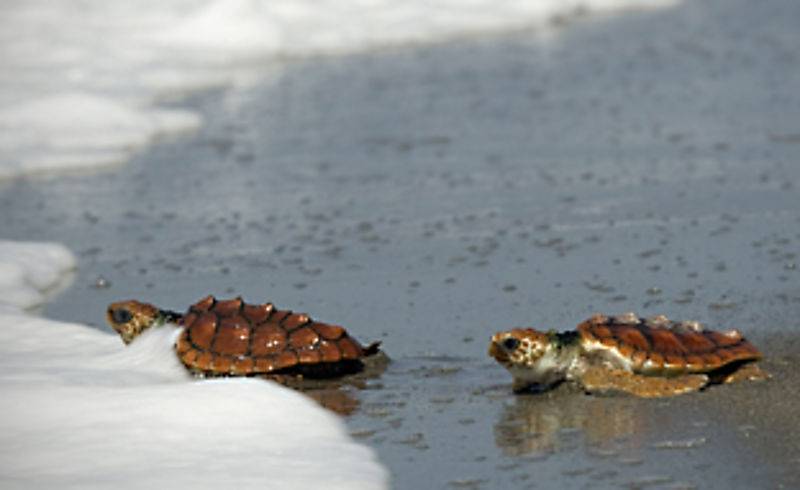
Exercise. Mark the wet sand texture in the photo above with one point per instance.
(428, 196)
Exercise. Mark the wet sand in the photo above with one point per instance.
(428, 196)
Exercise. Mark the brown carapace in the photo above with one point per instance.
(233, 338)
(647, 357)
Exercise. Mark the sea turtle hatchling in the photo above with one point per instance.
(652, 357)
(233, 338)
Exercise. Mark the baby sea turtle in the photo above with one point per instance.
(233, 338)
(652, 357)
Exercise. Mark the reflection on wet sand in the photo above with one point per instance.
(338, 395)
(338, 400)
(547, 423)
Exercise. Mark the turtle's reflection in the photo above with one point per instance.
(338, 400)
(547, 423)
(339, 395)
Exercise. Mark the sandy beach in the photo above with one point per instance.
(431, 194)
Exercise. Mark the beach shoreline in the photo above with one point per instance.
(429, 195)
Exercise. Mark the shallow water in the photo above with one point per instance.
(431, 195)
(85, 81)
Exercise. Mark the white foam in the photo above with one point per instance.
(29, 270)
(81, 79)
(75, 130)
(330, 26)
(81, 410)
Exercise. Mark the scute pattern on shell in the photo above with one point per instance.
(231, 337)
(660, 346)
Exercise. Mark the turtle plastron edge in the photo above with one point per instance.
(599, 379)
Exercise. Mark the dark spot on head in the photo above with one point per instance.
(510, 343)
(121, 315)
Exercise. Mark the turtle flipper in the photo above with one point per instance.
(604, 380)
(748, 372)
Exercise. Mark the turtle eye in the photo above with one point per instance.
(121, 315)
(510, 343)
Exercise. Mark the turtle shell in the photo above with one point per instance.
(233, 338)
(659, 346)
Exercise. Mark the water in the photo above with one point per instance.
(427, 196)
(82, 411)
(87, 84)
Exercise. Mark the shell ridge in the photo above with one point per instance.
(250, 333)
(267, 358)
(192, 330)
(648, 336)
(183, 344)
(217, 357)
(714, 343)
(655, 359)
(693, 348)
(251, 330)
(712, 336)
(213, 342)
(315, 345)
(295, 321)
(216, 328)
(270, 311)
(741, 350)
(210, 298)
(669, 348)
(281, 315)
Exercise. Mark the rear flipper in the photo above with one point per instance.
(604, 380)
(747, 372)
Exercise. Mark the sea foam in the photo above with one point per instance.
(29, 270)
(81, 410)
(82, 80)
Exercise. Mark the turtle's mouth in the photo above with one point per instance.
(126, 332)
(495, 351)
(499, 354)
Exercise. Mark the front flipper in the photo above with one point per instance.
(604, 380)
(524, 386)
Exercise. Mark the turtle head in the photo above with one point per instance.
(535, 359)
(131, 318)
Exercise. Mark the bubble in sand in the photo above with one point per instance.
(101, 282)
